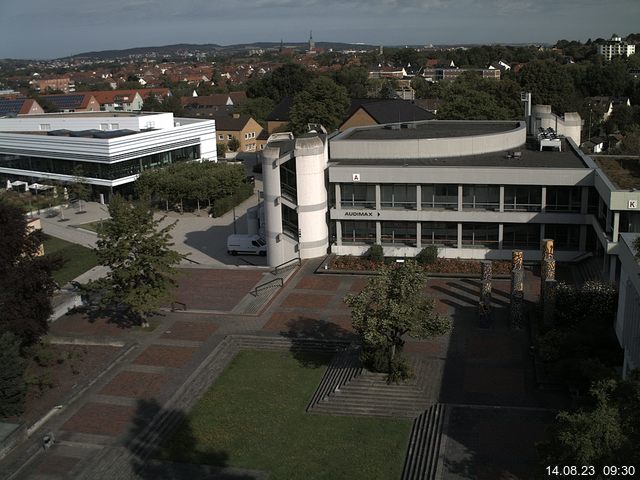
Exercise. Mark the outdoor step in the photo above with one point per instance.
(384, 388)
(350, 393)
(423, 451)
(375, 403)
(367, 412)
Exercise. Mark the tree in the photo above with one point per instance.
(80, 189)
(391, 306)
(140, 260)
(26, 284)
(221, 148)
(233, 144)
(605, 432)
(354, 79)
(12, 385)
(323, 102)
(285, 81)
(151, 103)
(551, 84)
(257, 108)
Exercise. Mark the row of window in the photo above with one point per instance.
(525, 236)
(107, 171)
(474, 197)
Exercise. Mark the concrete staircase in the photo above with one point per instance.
(421, 462)
(586, 270)
(272, 343)
(344, 367)
(368, 394)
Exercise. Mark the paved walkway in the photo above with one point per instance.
(481, 367)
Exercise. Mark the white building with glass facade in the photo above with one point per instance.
(112, 148)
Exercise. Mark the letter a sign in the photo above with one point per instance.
(356, 177)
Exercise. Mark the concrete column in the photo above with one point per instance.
(616, 226)
(501, 207)
(460, 196)
(273, 206)
(418, 234)
(378, 196)
(582, 241)
(378, 233)
(500, 235)
(613, 263)
(459, 235)
(543, 200)
(541, 230)
(418, 197)
(338, 192)
(338, 233)
(584, 201)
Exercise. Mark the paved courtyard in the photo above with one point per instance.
(487, 376)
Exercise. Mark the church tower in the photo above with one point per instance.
(312, 44)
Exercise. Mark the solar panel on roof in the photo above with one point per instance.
(10, 107)
(67, 102)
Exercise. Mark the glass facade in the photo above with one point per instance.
(358, 195)
(105, 171)
(398, 196)
(398, 233)
(565, 237)
(288, 180)
(290, 222)
(521, 235)
(361, 232)
(434, 233)
(564, 199)
(439, 197)
(481, 197)
(480, 235)
(522, 198)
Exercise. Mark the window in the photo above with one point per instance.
(564, 199)
(565, 237)
(358, 232)
(288, 180)
(220, 137)
(290, 222)
(521, 235)
(115, 126)
(439, 197)
(434, 233)
(229, 136)
(481, 197)
(522, 198)
(480, 235)
(358, 195)
(398, 233)
(45, 126)
(398, 196)
(104, 126)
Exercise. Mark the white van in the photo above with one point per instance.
(251, 244)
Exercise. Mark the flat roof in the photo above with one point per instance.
(429, 129)
(88, 114)
(530, 157)
(624, 173)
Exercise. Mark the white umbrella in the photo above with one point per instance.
(65, 194)
(8, 184)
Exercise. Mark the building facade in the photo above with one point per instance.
(112, 148)
(615, 47)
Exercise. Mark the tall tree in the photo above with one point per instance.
(140, 260)
(285, 81)
(393, 305)
(80, 187)
(551, 84)
(26, 284)
(323, 102)
(12, 385)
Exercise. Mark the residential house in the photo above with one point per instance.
(19, 106)
(63, 84)
(370, 111)
(74, 102)
(119, 100)
(242, 127)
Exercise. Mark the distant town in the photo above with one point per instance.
(321, 260)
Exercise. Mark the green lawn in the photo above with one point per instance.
(253, 417)
(91, 226)
(77, 259)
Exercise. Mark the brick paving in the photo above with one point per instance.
(101, 419)
(57, 465)
(135, 385)
(211, 289)
(192, 331)
(165, 356)
(479, 366)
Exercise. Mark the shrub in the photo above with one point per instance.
(428, 255)
(376, 253)
(224, 204)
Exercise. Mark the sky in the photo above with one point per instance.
(57, 28)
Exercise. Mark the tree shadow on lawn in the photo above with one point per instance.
(163, 446)
(304, 330)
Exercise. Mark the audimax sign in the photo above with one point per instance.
(360, 213)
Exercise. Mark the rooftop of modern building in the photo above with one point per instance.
(623, 172)
(88, 114)
(527, 156)
(428, 129)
